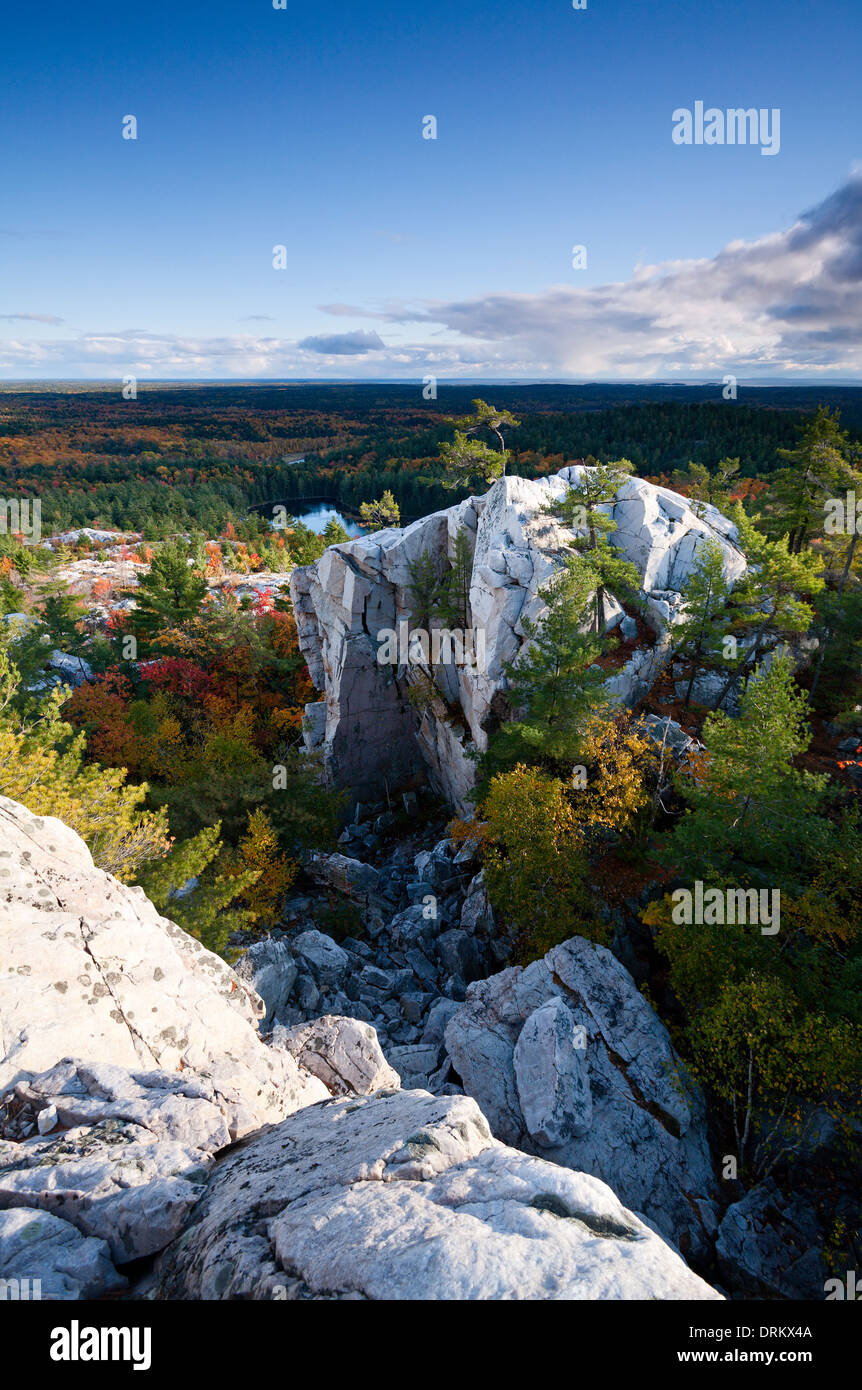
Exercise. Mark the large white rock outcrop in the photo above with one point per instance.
(407, 1196)
(373, 737)
(89, 969)
(567, 1059)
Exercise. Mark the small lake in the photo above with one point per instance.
(316, 516)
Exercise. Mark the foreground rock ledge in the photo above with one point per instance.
(403, 1195)
(89, 969)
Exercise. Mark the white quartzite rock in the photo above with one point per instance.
(371, 735)
(37, 1246)
(269, 968)
(89, 969)
(343, 1052)
(407, 1196)
(628, 1113)
(550, 1061)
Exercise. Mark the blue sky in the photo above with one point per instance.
(303, 127)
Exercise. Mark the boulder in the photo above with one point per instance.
(326, 959)
(550, 1062)
(270, 970)
(459, 955)
(769, 1246)
(642, 1130)
(70, 1266)
(438, 1016)
(343, 1053)
(415, 1063)
(342, 872)
(407, 1196)
(72, 668)
(111, 1179)
(477, 915)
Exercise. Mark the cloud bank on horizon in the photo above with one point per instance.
(785, 306)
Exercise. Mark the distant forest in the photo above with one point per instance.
(193, 457)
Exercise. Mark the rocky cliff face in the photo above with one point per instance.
(372, 736)
(143, 1115)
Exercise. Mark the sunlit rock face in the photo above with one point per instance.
(372, 733)
(89, 969)
(404, 1195)
(568, 1060)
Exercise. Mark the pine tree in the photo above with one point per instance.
(453, 604)
(816, 468)
(751, 812)
(42, 765)
(698, 638)
(554, 682)
(424, 589)
(382, 513)
(171, 593)
(208, 912)
(334, 533)
(584, 509)
(467, 457)
(765, 605)
(704, 488)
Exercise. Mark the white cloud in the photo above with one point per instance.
(785, 305)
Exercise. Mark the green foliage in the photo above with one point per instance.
(708, 487)
(169, 594)
(208, 911)
(42, 765)
(699, 637)
(334, 533)
(751, 814)
(816, 469)
(466, 457)
(766, 603)
(583, 508)
(424, 588)
(382, 513)
(535, 867)
(453, 600)
(553, 683)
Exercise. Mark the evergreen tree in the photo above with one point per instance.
(424, 589)
(766, 606)
(752, 816)
(171, 593)
(467, 457)
(453, 604)
(208, 912)
(698, 638)
(708, 488)
(334, 533)
(554, 682)
(382, 513)
(815, 470)
(42, 765)
(584, 509)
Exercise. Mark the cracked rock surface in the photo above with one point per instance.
(89, 969)
(567, 1058)
(370, 735)
(405, 1195)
